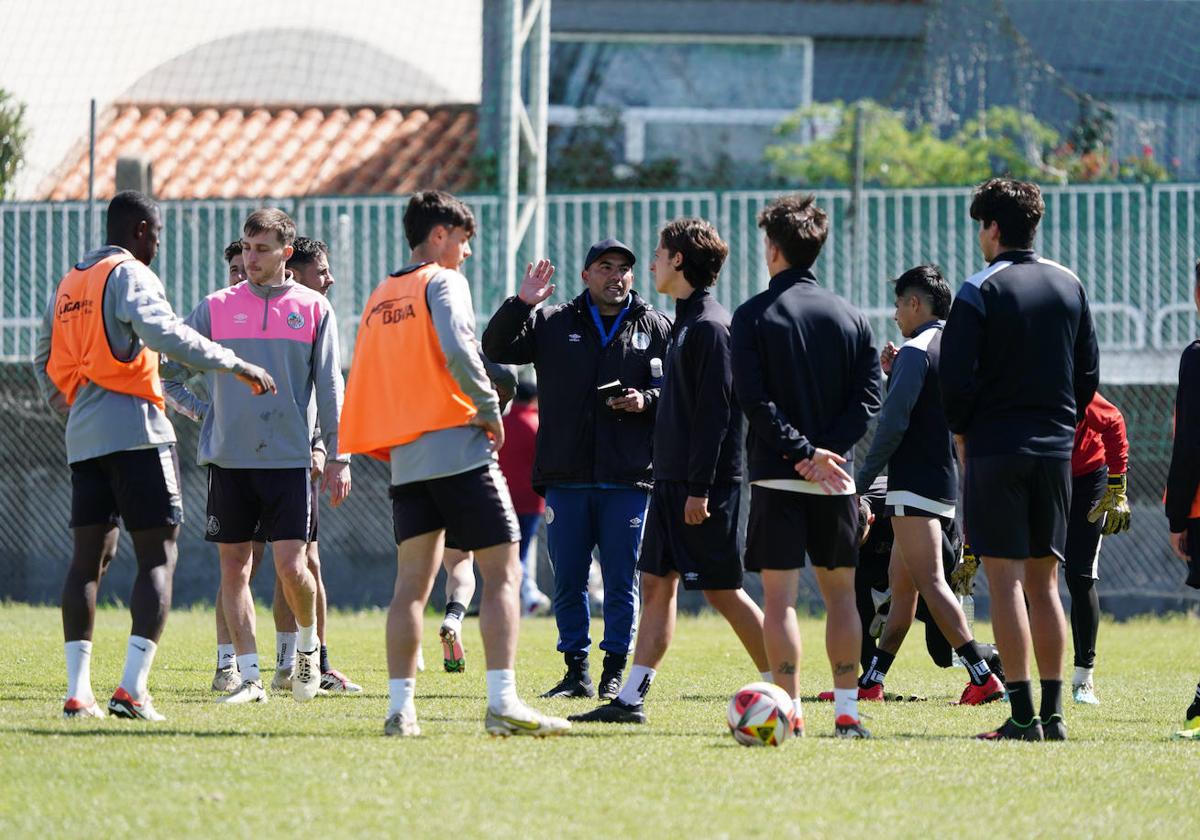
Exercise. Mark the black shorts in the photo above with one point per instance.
(1015, 506)
(706, 556)
(785, 525)
(139, 487)
(474, 506)
(258, 504)
(1083, 537)
(260, 534)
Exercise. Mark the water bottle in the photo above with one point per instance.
(656, 372)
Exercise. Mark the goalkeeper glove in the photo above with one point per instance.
(962, 579)
(1113, 506)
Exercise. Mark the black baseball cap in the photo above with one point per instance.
(603, 247)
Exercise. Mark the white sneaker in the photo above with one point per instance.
(306, 679)
(282, 681)
(1085, 693)
(250, 691)
(538, 604)
(335, 682)
(74, 709)
(522, 720)
(402, 725)
(226, 680)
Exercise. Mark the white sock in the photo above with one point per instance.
(306, 639)
(226, 657)
(637, 686)
(454, 623)
(138, 658)
(1082, 676)
(248, 666)
(400, 696)
(767, 677)
(845, 702)
(797, 709)
(79, 670)
(502, 689)
(285, 651)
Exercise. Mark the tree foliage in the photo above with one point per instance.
(13, 136)
(1000, 141)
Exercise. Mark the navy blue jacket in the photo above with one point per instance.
(580, 440)
(1019, 360)
(912, 438)
(1183, 476)
(698, 432)
(806, 373)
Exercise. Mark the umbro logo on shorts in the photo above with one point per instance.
(635, 522)
(574, 338)
(214, 525)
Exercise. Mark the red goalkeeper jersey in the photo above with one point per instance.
(1100, 440)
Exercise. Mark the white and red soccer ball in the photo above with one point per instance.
(760, 715)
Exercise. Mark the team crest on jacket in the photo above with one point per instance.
(640, 340)
(295, 320)
(214, 525)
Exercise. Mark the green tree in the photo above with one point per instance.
(13, 136)
(998, 141)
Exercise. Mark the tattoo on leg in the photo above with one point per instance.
(786, 668)
(844, 668)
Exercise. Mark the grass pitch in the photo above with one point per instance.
(286, 769)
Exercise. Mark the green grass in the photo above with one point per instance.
(286, 769)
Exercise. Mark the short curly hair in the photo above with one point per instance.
(797, 226)
(1016, 206)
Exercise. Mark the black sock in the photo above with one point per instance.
(1194, 709)
(1051, 699)
(325, 669)
(615, 662)
(977, 667)
(1021, 702)
(577, 661)
(877, 673)
(455, 609)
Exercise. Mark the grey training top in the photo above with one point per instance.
(452, 451)
(136, 314)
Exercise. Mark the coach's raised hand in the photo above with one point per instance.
(258, 379)
(536, 286)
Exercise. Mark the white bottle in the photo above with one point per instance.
(656, 371)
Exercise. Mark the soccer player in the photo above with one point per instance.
(431, 420)
(1019, 365)
(593, 461)
(1099, 508)
(873, 589)
(914, 443)
(1182, 499)
(806, 372)
(516, 462)
(309, 265)
(692, 523)
(459, 564)
(259, 458)
(97, 362)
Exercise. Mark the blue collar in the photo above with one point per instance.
(607, 336)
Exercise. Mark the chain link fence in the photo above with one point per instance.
(1133, 247)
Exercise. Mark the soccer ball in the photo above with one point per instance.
(760, 715)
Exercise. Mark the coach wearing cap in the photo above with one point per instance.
(593, 446)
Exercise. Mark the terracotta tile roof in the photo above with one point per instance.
(230, 152)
